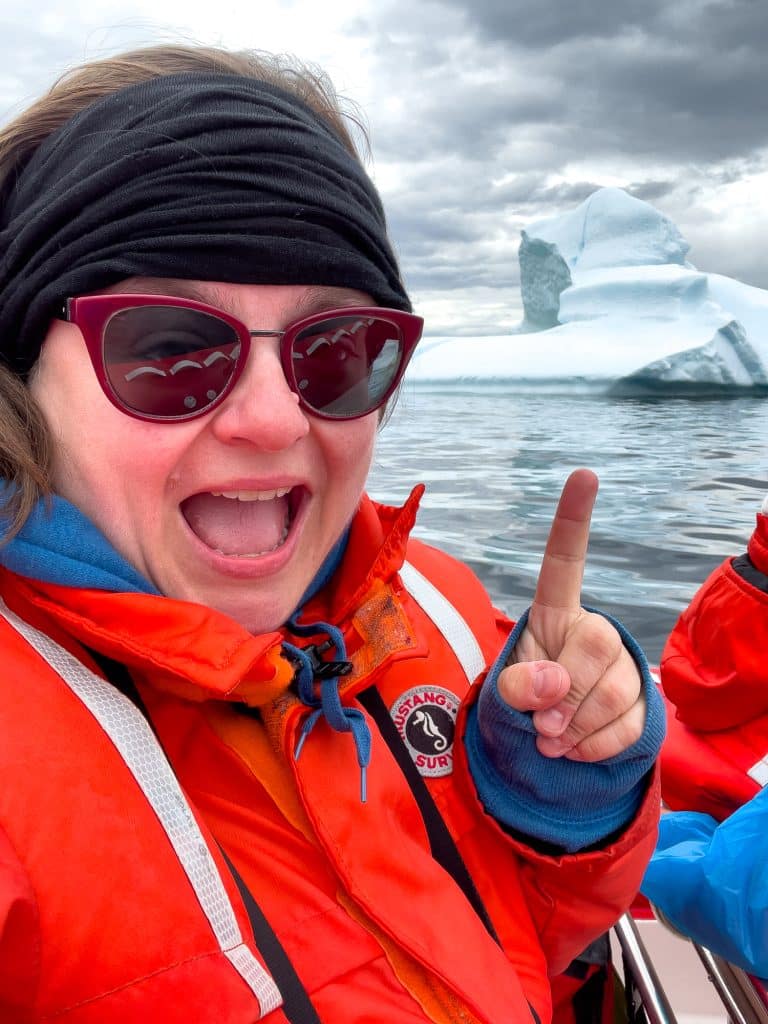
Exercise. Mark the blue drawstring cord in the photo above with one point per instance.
(311, 669)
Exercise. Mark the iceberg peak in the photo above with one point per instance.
(609, 295)
(609, 229)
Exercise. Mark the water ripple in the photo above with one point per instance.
(681, 481)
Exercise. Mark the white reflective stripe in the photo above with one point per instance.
(759, 771)
(447, 619)
(132, 736)
(257, 979)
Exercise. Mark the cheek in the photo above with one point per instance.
(104, 462)
(65, 387)
(349, 450)
(111, 480)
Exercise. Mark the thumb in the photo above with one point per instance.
(533, 685)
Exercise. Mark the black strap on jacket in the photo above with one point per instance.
(297, 1005)
(441, 842)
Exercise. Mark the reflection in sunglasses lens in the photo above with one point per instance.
(343, 366)
(168, 361)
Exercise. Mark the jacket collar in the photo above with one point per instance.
(150, 633)
(378, 540)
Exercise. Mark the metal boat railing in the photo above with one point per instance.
(744, 999)
(646, 998)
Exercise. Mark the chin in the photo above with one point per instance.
(256, 620)
(259, 626)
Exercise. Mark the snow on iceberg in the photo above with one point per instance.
(609, 229)
(609, 296)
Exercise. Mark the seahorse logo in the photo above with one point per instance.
(425, 717)
(423, 720)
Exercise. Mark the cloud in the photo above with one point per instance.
(635, 80)
(540, 26)
(487, 114)
(498, 112)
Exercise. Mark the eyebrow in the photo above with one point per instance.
(316, 299)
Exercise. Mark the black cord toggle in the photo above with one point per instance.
(325, 669)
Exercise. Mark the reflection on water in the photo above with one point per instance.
(681, 480)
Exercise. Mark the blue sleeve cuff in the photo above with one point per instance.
(570, 804)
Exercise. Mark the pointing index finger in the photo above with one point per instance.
(562, 568)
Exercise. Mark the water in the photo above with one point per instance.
(680, 482)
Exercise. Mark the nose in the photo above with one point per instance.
(261, 410)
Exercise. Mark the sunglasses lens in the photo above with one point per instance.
(345, 366)
(169, 362)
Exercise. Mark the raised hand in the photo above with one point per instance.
(570, 667)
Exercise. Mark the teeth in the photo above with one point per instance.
(279, 492)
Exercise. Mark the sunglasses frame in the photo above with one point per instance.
(91, 314)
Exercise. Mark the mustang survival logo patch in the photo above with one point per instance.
(425, 717)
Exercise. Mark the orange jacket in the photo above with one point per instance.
(715, 755)
(102, 919)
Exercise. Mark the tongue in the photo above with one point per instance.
(237, 527)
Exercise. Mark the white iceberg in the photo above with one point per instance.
(609, 297)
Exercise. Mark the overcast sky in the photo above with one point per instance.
(487, 114)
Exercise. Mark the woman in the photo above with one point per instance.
(246, 774)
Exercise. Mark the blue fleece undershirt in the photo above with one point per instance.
(570, 804)
(58, 544)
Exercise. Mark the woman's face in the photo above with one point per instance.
(235, 510)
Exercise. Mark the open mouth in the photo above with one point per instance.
(242, 523)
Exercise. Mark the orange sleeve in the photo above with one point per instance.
(570, 899)
(575, 898)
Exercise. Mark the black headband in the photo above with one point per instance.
(196, 176)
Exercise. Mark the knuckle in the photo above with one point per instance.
(604, 704)
(612, 700)
(589, 750)
(601, 639)
(614, 738)
(578, 729)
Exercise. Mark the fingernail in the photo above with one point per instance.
(546, 681)
(552, 720)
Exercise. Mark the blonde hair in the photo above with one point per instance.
(25, 444)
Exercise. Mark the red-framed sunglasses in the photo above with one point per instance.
(165, 358)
